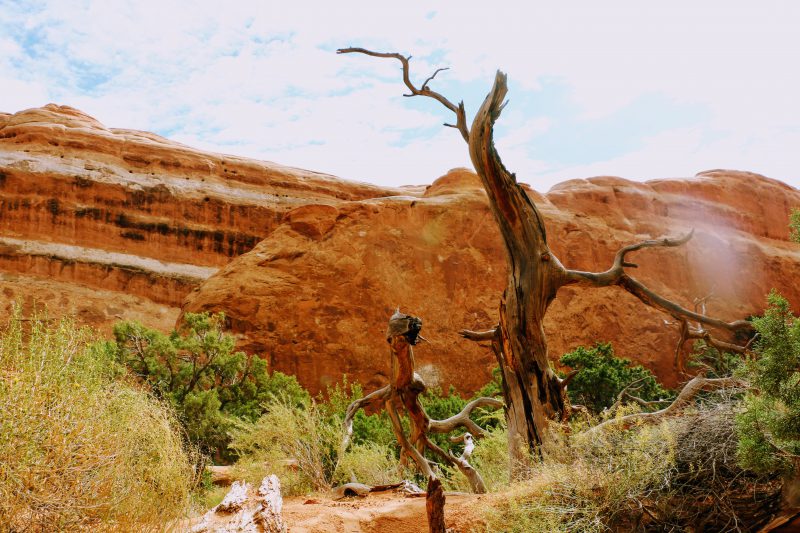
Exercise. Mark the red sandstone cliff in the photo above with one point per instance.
(115, 224)
(85, 209)
(313, 296)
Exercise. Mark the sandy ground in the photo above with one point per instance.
(383, 512)
(387, 512)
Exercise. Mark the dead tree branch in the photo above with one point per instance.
(462, 419)
(616, 275)
(424, 90)
(685, 397)
(403, 393)
(373, 399)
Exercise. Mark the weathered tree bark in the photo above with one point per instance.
(403, 393)
(434, 505)
(688, 393)
(535, 396)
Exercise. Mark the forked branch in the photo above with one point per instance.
(685, 397)
(423, 90)
(616, 275)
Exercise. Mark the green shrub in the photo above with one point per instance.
(302, 445)
(602, 377)
(196, 369)
(714, 362)
(769, 425)
(299, 444)
(80, 448)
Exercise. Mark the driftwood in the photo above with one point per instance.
(241, 511)
(402, 395)
(362, 491)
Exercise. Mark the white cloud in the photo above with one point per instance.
(261, 79)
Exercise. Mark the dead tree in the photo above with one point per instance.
(534, 395)
(402, 395)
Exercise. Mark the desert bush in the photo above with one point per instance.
(769, 425)
(587, 483)
(602, 377)
(794, 225)
(80, 447)
(302, 445)
(196, 369)
(371, 463)
(299, 443)
(708, 490)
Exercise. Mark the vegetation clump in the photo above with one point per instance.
(81, 447)
(769, 425)
(198, 371)
(602, 377)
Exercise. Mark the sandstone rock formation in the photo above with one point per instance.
(313, 297)
(104, 209)
(111, 224)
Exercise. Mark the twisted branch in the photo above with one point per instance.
(424, 90)
(687, 394)
(616, 275)
(462, 419)
(375, 398)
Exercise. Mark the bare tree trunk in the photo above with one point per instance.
(534, 395)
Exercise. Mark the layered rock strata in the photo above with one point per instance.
(314, 295)
(134, 213)
(112, 224)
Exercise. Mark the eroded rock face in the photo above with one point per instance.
(115, 224)
(131, 212)
(313, 296)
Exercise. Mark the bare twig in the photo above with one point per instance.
(424, 90)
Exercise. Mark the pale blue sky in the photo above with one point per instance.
(630, 88)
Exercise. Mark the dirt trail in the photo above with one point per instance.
(387, 512)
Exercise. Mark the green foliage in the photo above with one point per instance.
(769, 426)
(210, 385)
(602, 377)
(301, 443)
(368, 429)
(716, 364)
(80, 448)
(794, 225)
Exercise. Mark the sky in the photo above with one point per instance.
(636, 89)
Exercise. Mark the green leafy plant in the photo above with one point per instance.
(769, 425)
(196, 369)
(602, 376)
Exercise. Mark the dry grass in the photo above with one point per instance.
(301, 445)
(79, 449)
(587, 484)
